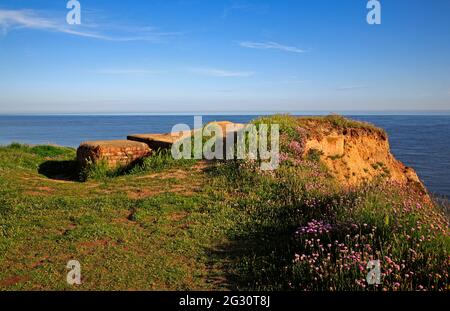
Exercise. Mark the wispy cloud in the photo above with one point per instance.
(213, 72)
(11, 20)
(352, 87)
(271, 45)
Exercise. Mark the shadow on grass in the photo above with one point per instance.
(259, 252)
(60, 170)
(255, 264)
(260, 241)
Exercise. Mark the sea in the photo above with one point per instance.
(419, 141)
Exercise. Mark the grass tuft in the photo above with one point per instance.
(158, 161)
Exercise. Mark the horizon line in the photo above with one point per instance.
(229, 113)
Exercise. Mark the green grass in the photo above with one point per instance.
(159, 161)
(264, 247)
(168, 225)
(288, 125)
(341, 122)
(154, 242)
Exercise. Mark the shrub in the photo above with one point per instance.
(160, 160)
(98, 170)
(314, 155)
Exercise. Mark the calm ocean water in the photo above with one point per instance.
(422, 142)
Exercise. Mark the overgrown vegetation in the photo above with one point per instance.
(166, 224)
(340, 122)
(298, 230)
(160, 160)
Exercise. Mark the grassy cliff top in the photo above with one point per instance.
(220, 225)
(318, 125)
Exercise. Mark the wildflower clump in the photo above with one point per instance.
(314, 234)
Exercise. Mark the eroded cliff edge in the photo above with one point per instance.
(355, 152)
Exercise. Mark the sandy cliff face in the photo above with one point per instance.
(357, 155)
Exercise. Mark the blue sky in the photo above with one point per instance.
(226, 56)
